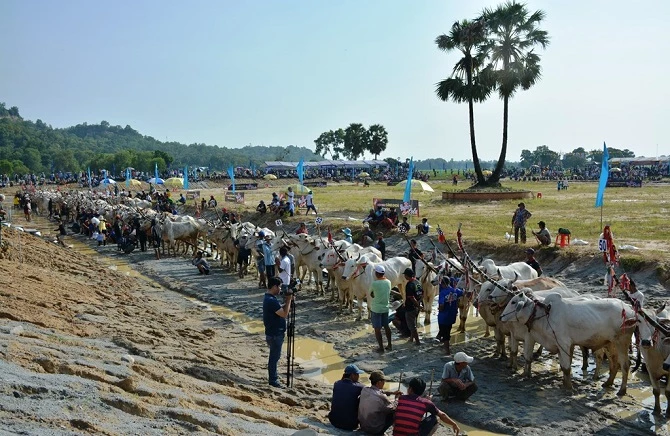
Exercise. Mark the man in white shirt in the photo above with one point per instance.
(310, 203)
(291, 204)
(284, 268)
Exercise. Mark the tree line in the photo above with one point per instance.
(352, 142)
(27, 146)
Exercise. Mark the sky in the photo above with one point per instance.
(271, 72)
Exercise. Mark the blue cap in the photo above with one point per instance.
(352, 369)
(261, 234)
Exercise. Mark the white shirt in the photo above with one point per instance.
(309, 200)
(291, 194)
(285, 270)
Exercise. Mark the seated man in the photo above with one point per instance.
(457, 378)
(404, 225)
(200, 263)
(423, 228)
(409, 417)
(346, 392)
(182, 200)
(543, 236)
(375, 409)
(261, 208)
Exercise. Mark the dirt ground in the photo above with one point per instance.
(88, 344)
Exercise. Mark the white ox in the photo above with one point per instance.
(489, 308)
(655, 348)
(360, 273)
(561, 323)
(186, 230)
(333, 260)
(224, 237)
(511, 271)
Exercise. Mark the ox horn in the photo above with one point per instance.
(516, 276)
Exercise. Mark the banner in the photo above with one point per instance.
(231, 174)
(604, 174)
(300, 169)
(233, 197)
(405, 208)
(186, 177)
(156, 171)
(244, 187)
(127, 177)
(408, 185)
(315, 184)
(193, 194)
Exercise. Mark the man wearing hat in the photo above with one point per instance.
(344, 407)
(375, 409)
(530, 260)
(268, 256)
(457, 378)
(543, 236)
(380, 291)
(519, 219)
(413, 297)
(347, 235)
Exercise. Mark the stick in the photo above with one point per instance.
(430, 389)
(400, 381)
(419, 258)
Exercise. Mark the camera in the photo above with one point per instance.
(293, 286)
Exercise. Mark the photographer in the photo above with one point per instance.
(274, 319)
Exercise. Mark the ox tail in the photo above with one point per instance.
(638, 357)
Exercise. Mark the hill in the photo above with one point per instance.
(27, 146)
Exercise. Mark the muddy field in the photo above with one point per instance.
(89, 345)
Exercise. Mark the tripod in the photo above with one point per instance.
(290, 345)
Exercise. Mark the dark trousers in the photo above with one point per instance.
(275, 343)
(444, 335)
(448, 391)
(269, 271)
(517, 230)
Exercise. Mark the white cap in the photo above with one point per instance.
(380, 269)
(461, 357)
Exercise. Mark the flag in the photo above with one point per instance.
(408, 186)
(156, 171)
(300, 170)
(127, 177)
(89, 176)
(231, 174)
(604, 174)
(186, 177)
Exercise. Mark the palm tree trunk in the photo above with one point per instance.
(495, 177)
(473, 142)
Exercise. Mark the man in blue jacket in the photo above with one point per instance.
(346, 392)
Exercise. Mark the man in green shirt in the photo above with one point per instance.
(380, 291)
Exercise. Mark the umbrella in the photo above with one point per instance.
(363, 175)
(174, 182)
(108, 181)
(270, 177)
(615, 170)
(95, 221)
(155, 181)
(135, 182)
(298, 188)
(416, 185)
(487, 172)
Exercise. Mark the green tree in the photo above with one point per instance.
(545, 157)
(355, 141)
(469, 81)
(165, 156)
(377, 139)
(330, 142)
(19, 168)
(513, 35)
(6, 167)
(574, 159)
(527, 159)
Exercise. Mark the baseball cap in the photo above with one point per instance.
(261, 234)
(409, 272)
(376, 376)
(380, 269)
(530, 251)
(461, 357)
(353, 369)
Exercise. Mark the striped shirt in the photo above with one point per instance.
(409, 414)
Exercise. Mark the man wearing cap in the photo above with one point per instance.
(346, 392)
(347, 235)
(519, 219)
(380, 291)
(543, 236)
(409, 416)
(412, 304)
(274, 320)
(268, 257)
(530, 260)
(375, 410)
(457, 378)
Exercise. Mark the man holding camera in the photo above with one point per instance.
(274, 319)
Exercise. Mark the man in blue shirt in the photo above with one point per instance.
(447, 310)
(268, 257)
(274, 319)
(346, 392)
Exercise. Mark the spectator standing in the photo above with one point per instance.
(380, 291)
(274, 320)
(310, 203)
(519, 219)
(413, 297)
(447, 306)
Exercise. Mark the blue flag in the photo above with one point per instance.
(231, 174)
(186, 177)
(89, 176)
(156, 171)
(408, 186)
(127, 177)
(300, 168)
(604, 174)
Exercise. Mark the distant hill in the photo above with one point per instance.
(27, 146)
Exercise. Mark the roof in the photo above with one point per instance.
(282, 165)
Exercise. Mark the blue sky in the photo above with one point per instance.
(232, 73)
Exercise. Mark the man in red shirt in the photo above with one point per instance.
(411, 408)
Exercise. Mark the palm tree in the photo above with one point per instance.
(513, 35)
(377, 139)
(468, 81)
